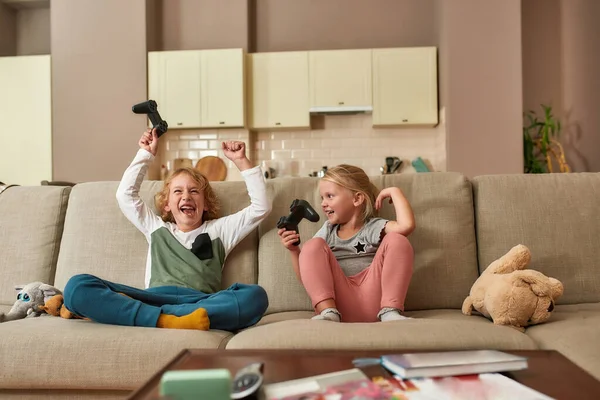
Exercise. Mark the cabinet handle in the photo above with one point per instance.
(341, 103)
(277, 123)
(404, 120)
(179, 123)
(221, 122)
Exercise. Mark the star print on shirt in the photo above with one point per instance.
(360, 247)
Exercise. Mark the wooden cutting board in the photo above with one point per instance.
(182, 163)
(213, 168)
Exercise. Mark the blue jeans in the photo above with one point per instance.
(237, 307)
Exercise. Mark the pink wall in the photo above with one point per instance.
(481, 85)
(542, 54)
(287, 25)
(203, 24)
(561, 57)
(8, 45)
(580, 50)
(98, 73)
(33, 28)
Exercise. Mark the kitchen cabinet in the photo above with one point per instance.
(340, 79)
(174, 83)
(26, 120)
(405, 86)
(198, 88)
(278, 94)
(222, 87)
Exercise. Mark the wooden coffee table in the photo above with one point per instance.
(549, 372)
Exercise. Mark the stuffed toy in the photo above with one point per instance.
(29, 298)
(511, 295)
(55, 306)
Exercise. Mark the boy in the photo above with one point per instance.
(187, 248)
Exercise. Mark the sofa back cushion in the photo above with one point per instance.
(444, 240)
(31, 226)
(99, 240)
(555, 215)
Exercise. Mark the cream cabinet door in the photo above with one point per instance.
(25, 120)
(222, 88)
(340, 78)
(278, 95)
(174, 83)
(405, 86)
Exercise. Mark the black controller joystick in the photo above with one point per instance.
(298, 210)
(151, 109)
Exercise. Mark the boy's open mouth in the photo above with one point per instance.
(188, 210)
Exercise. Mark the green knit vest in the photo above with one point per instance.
(174, 265)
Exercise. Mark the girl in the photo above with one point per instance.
(187, 246)
(357, 267)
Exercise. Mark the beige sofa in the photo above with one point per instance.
(51, 233)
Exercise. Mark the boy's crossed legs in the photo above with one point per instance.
(236, 307)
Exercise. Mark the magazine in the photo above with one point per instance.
(466, 387)
(488, 386)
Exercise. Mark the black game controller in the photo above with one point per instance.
(151, 109)
(298, 210)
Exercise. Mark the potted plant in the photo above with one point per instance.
(540, 146)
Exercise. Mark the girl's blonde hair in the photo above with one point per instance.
(210, 199)
(356, 180)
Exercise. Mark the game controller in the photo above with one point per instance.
(151, 109)
(298, 209)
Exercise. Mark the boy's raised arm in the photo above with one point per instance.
(234, 228)
(128, 197)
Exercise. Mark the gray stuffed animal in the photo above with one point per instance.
(29, 298)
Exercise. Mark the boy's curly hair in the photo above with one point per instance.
(357, 181)
(210, 199)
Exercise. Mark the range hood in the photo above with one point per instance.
(340, 110)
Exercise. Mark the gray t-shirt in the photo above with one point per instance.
(354, 254)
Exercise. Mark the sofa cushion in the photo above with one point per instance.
(99, 240)
(430, 329)
(556, 215)
(77, 354)
(82, 394)
(443, 241)
(572, 330)
(31, 221)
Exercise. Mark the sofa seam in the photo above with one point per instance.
(58, 233)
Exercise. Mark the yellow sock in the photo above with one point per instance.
(195, 320)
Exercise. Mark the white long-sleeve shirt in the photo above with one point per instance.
(230, 229)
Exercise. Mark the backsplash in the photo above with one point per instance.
(195, 144)
(349, 139)
(332, 140)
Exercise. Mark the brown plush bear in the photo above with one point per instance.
(511, 295)
(55, 306)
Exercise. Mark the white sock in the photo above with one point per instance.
(390, 314)
(329, 314)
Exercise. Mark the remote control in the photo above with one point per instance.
(247, 381)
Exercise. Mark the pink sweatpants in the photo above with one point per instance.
(359, 297)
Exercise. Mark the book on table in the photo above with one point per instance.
(451, 363)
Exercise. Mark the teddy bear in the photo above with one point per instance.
(55, 306)
(511, 295)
